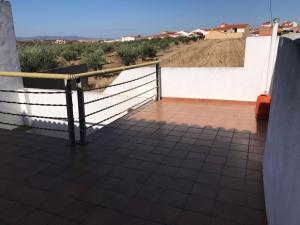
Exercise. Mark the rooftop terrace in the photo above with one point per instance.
(169, 162)
(132, 161)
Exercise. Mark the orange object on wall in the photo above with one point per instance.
(263, 107)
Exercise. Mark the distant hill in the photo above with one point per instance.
(68, 38)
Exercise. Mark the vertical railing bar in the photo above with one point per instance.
(70, 114)
(158, 82)
(81, 112)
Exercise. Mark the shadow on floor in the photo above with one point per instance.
(135, 171)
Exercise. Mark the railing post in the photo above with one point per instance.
(69, 102)
(81, 112)
(158, 82)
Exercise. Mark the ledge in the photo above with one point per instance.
(218, 101)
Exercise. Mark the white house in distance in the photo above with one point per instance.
(112, 41)
(60, 42)
(129, 38)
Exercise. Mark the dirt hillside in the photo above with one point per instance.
(207, 53)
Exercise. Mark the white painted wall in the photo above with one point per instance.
(240, 84)
(132, 75)
(9, 61)
(281, 166)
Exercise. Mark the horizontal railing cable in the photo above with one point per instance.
(117, 114)
(118, 84)
(33, 116)
(33, 92)
(32, 127)
(101, 110)
(112, 70)
(122, 92)
(25, 103)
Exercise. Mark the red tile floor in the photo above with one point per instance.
(167, 163)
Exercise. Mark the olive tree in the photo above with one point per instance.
(164, 45)
(70, 55)
(107, 48)
(37, 58)
(147, 51)
(94, 60)
(128, 54)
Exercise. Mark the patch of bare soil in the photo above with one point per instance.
(101, 81)
(207, 53)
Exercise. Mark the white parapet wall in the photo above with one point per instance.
(9, 61)
(222, 83)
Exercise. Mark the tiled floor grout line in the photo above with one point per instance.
(188, 194)
(247, 162)
(198, 172)
(219, 183)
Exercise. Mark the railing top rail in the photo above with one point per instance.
(113, 70)
(35, 75)
(74, 76)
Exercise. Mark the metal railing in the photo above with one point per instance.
(82, 103)
(156, 81)
(68, 106)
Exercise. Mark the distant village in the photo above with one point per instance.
(224, 31)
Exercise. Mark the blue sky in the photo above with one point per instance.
(114, 18)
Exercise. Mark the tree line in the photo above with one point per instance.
(43, 55)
